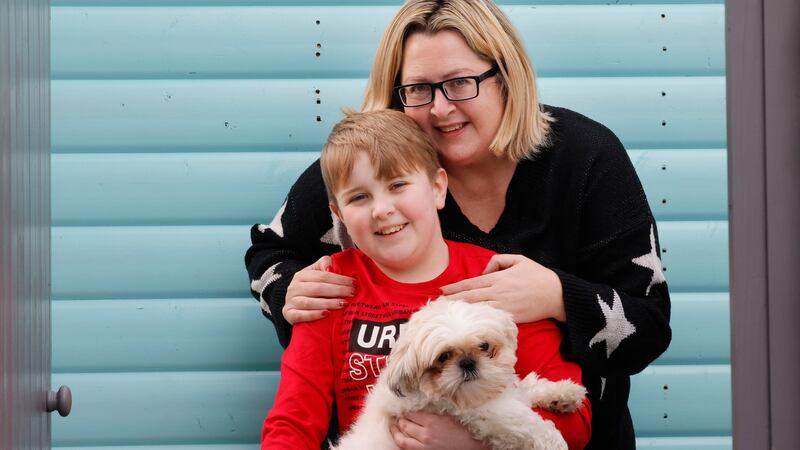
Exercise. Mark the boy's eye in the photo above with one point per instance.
(397, 185)
(356, 197)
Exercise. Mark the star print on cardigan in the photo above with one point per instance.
(651, 261)
(337, 235)
(276, 225)
(617, 326)
(602, 387)
(261, 285)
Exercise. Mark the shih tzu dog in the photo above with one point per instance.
(458, 358)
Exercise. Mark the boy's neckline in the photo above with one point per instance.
(382, 279)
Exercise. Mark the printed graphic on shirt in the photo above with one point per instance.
(374, 338)
(369, 332)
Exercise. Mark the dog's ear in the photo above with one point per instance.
(402, 369)
(509, 329)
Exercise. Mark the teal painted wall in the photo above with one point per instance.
(179, 123)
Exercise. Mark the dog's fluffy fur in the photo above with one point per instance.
(458, 358)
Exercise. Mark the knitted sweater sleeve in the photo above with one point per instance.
(616, 300)
(301, 232)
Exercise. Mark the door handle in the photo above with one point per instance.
(60, 401)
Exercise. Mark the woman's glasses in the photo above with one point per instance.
(454, 89)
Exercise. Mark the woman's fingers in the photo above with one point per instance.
(316, 275)
(501, 262)
(320, 289)
(296, 316)
(477, 295)
(313, 291)
(467, 285)
(315, 303)
(321, 264)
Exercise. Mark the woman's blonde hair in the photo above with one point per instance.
(525, 126)
(393, 142)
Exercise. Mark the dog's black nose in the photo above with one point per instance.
(467, 365)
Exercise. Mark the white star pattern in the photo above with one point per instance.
(260, 285)
(617, 326)
(651, 261)
(276, 225)
(602, 387)
(337, 235)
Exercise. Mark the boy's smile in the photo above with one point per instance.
(395, 221)
(391, 230)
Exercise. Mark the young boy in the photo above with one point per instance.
(385, 184)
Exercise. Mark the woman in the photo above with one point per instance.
(553, 191)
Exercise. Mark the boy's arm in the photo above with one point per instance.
(538, 351)
(297, 236)
(300, 415)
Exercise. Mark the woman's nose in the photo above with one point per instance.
(441, 106)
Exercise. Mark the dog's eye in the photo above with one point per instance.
(444, 357)
(484, 346)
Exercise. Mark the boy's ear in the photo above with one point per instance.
(440, 187)
(335, 210)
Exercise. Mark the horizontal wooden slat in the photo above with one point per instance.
(244, 188)
(164, 408)
(684, 184)
(682, 400)
(207, 261)
(218, 407)
(165, 335)
(700, 329)
(231, 334)
(282, 115)
(695, 255)
(150, 262)
(396, 3)
(686, 443)
(174, 188)
(252, 446)
(281, 41)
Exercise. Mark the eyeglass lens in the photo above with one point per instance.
(455, 89)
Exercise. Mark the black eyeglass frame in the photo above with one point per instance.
(440, 86)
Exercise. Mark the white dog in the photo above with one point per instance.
(458, 358)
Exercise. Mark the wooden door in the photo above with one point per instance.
(24, 224)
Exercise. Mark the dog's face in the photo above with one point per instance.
(454, 351)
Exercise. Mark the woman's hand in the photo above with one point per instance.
(514, 283)
(313, 291)
(426, 431)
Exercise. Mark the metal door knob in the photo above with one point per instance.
(60, 401)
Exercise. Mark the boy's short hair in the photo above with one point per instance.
(393, 142)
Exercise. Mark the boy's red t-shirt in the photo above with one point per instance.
(340, 357)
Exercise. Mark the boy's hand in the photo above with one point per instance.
(313, 291)
(514, 283)
(426, 431)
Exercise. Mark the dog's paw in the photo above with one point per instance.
(563, 397)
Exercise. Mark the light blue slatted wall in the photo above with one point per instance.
(178, 123)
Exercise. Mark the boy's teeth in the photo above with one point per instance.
(391, 230)
(453, 128)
